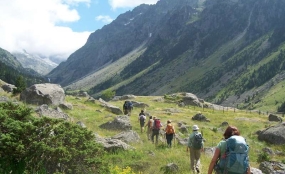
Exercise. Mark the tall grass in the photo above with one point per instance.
(148, 158)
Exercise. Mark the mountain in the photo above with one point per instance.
(11, 69)
(230, 52)
(41, 65)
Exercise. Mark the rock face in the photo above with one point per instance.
(121, 122)
(273, 135)
(47, 93)
(273, 117)
(272, 167)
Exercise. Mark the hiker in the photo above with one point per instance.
(149, 127)
(222, 153)
(127, 108)
(196, 146)
(155, 130)
(169, 133)
(142, 120)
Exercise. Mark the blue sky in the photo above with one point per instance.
(56, 27)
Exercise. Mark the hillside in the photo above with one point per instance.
(11, 69)
(223, 51)
(146, 158)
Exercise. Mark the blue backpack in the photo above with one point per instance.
(236, 160)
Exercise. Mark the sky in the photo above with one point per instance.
(56, 27)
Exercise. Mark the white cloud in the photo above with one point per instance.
(32, 25)
(129, 3)
(105, 19)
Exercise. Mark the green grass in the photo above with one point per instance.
(149, 159)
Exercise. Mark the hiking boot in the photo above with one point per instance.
(197, 169)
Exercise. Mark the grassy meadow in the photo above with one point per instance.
(150, 159)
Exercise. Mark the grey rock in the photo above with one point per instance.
(268, 151)
(200, 117)
(47, 93)
(81, 124)
(44, 110)
(255, 170)
(273, 117)
(8, 87)
(128, 137)
(224, 123)
(114, 109)
(139, 104)
(112, 145)
(170, 168)
(272, 167)
(274, 134)
(66, 106)
(121, 122)
(4, 99)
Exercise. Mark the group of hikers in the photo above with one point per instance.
(230, 156)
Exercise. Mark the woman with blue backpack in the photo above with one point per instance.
(231, 154)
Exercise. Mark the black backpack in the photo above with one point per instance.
(198, 141)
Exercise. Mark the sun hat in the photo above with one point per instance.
(195, 127)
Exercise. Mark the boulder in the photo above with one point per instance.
(274, 135)
(200, 117)
(81, 124)
(273, 117)
(128, 137)
(114, 109)
(112, 145)
(139, 104)
(180, 140)
(255, 171)
(170, 168)
(4, 99)
(191, 99)
(82, 94)
(224, 124)
(272, 167)
(66, 106)
(44, 110)
(47, 93)
(121, 122)
(8, 87)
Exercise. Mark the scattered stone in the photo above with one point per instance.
(129, 136)
(272, 167)
(200, 117)
(274, 135)
(66, 106)
(44, 110)
(121, 122)
(114, 109)
(47, 93)
(224, 124)
(273, 117)
(112, 145)
(81, 124)
(8, 87)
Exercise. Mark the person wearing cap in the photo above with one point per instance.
(195, 154)
(169, 133)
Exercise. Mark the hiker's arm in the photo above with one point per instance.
(214, 160)
(248, 170)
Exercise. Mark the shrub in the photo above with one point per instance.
(31, 145)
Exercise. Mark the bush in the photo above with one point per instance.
(45, 145)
